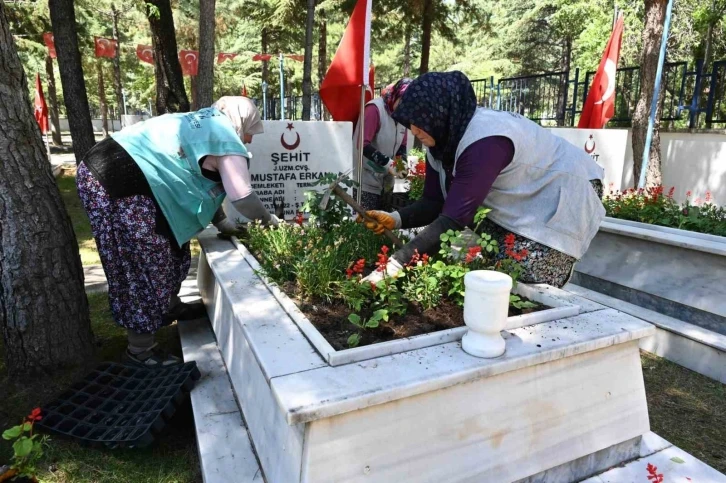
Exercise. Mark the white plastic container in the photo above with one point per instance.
(486, 306)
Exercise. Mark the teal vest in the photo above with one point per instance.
(168, 149)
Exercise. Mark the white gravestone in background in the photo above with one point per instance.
(606, 146)
(291, 156)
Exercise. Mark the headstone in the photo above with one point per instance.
(291, 156)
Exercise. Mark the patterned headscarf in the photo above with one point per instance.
(242, 112)
(442, 104)
(393, 92)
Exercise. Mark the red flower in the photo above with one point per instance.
(420, 169)
(671, 192)
(653, 474)
(425, 258)
(382, 259)
(708, 196)
(697, 201)
(472, 254)
(299, 217)
(357, 268)
(688, 194)
(509, 241)
(35, 415)
(414, 259)
(373, 287)
(348, 273)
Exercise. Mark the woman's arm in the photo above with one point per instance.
(424, 211)
(477, 168)
(238, 185)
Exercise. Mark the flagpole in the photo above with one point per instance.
(361, 132)
(282, 87)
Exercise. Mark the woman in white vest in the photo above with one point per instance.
(148, 190)
(544, 193)
(384, 140)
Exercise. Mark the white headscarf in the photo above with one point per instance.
(243, 114)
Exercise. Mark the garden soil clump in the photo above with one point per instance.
(332, 321)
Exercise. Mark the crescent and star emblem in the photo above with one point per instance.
(589, 150)
(610, 70)
(294, 145)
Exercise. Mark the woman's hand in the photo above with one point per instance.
(392, 270)
(380, 220)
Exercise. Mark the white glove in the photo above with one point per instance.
(392, 269)
(274, 221)
(395, 171)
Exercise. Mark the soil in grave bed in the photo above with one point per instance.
(331, 320)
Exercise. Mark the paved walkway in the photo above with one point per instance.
(95, 280)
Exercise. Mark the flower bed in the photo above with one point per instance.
(655, 207)
(321, 265)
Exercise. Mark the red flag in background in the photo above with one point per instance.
(222, 56)
(244, 90)
(41, 109)
(350, 68)
(49, 41)
(145, 53)
(297, 57)
(105, 47)
(261, 57)
(599, 106)
(189, 60)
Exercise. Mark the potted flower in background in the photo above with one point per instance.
(27, 450)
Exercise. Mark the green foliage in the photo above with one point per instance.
(27, 447)
(373, 322)
(654, 207)
(336, 210)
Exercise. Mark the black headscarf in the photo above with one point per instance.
(442, 104)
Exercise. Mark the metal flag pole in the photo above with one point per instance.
(361, 129)
(264, 100)
(656, 92)
(282, 87)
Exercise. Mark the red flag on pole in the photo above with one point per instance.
(50, 43)
(145, 53)
(261, 57)
(244, 90)
(222, 56)
(350, 69)
(299, 58)
(189, 60)
(599, 106)
(41, 109)
(105, 47)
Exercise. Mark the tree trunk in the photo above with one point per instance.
(407, 51)
(194, 87)
(564, 82)
(205, 80)
(43, 307)
(170, 93)
(102, 99)
(652, 33)
(63, 18)
(323, 56)
(53, 99)
(428, 20)
(117, 86)
(307, 85)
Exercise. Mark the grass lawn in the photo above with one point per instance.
(172, 458)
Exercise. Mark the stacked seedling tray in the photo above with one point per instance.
(119, 405)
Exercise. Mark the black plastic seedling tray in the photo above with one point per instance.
(119, 405)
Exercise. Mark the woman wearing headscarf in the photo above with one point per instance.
(538, 186)
(384, 140)
(148, 190)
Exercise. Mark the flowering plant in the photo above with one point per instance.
(655, 206)
(27, 447)
(417, 176)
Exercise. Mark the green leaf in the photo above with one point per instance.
(354, 319)
(380, 314)
(353, 340)
(678, 460)
(372, 324)
(23, 447)
(27, 427)
(13, 432)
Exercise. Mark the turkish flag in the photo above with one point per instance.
(41, 108)
(49, 41)
(189, 60)
(145, 53)
(350, 69)
(599, 106)
(105, 47)
(244, 90)
(221, 57)
(261, 57)
(299, 58)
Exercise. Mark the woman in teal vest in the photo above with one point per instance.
(148, 190)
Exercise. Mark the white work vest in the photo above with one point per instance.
(387, 141)
(544, 194)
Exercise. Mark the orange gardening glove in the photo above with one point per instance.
(381, 221)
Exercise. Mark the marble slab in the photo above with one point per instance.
(330, 391)
(673, 463)
(677, 238)
(225, 449)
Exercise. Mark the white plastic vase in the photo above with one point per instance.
(486, 306)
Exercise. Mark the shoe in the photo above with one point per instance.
(154, 358)
(184, 311)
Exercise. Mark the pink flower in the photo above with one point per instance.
(708, 196)
(688, 194)
(671, 191)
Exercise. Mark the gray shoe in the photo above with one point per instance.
(152, 358)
